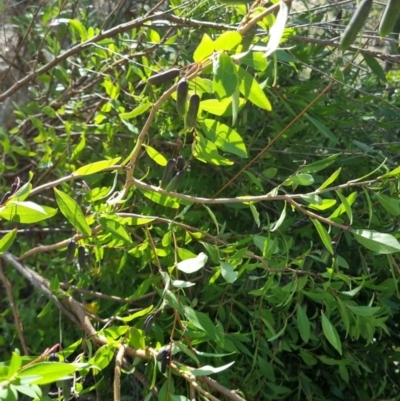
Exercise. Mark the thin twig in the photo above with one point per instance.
(13, 304)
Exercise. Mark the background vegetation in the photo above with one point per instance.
(268, 271)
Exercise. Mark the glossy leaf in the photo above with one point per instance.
(323, 234)
(72, 211)
(208, 370)
(277, 29)
(381, 243)
(228, 272)
(194, 264)
(155, 155)
(204, 50)
(331, 179)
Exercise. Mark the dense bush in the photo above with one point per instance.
(252, 257)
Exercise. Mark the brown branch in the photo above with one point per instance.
(13, 304)
(117, 372)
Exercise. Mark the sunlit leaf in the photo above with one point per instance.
(155, 155)
(204, 50)
(225, 79)
(228, 272)
(227, 41)
(26, 212)
(96, 167)
(277, 29)
(72, 211)
(209, 370)
(194, 264)
(7, 240)
(381, 243)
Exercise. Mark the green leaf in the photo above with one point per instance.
(161, 199)
(364, 310)
(320, 164)
(277, 29)
(205, 151)
(256, 215)
(326, 239)
(370, 212)
(331, 179)
(251, 90)
(220, 107)
(342, 208)
(95, 167)
(204, 50)
(117, 230)
(228, 272)
(7, 240)
(225, 79)
(375, 67)
(26, 212)
(323, 129)
(227, 41)
(47, 372)
(347, 206)
(282, 217)
(155, 155)
(202, 322)
(193, 264)
(72, 212)
(392, 205)
(209, 370)
(224, 137)
(254, 60)
(303, 324)
(325, 204)
(299, 179)
(213, 218)
(330, 333)
(381, 243)
(15, 364)
(136, 315)
(142, 108)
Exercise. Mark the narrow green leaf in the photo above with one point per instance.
(324, 205)
(323, 129)
(375, 67)
(155, 155)
(320, 164)
(277, 29)
(381, 243)
(331, 333)
(365, 311)
(7, 240)
(209, 370)
(161, 199)
(221, 107)
(323, 234)
(331, 179)
(142, 108)
(342, 208)
(136, 315)
(256, 215)
(235, 105)
(96, 167)
(346, 206)
(15, 364)
(72, 212)
(282, 217)
(370, 213)
(303, 324)
(205, 151)
(213, 218)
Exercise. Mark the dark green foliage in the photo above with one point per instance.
(273, 265)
